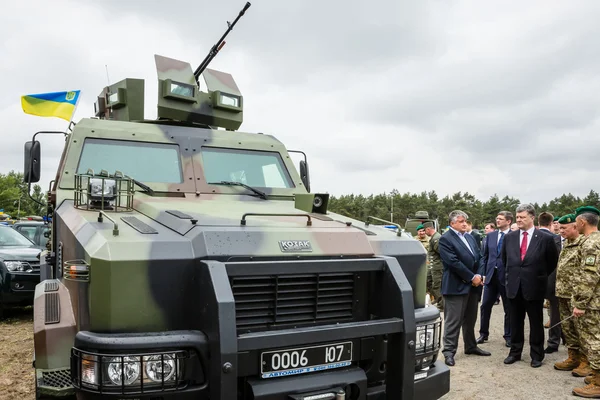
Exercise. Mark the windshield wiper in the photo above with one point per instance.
(145, 187)
(262, 195)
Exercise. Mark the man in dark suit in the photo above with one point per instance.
(545, 220)
(494, 278)
(529, 256)
(461, 283)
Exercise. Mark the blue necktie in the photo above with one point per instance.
(500, 242)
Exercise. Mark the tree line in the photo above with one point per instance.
(14, 198)
(480, 212)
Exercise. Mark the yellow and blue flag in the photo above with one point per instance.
(56, 104)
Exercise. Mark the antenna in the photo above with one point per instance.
(107, 78)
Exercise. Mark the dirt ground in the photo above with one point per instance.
(16, 355)
(471, 378)
(476, 377)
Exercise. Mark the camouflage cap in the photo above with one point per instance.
(566, 219)
(420, 227)
(586, 209)
(428, 224)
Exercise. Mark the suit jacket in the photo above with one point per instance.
(491, 259)
(477, 236)
(531, 274)
(551, 287)
(460, 265)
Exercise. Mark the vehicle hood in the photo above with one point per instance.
(20, 253)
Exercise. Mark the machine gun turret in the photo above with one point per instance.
(219, 45)
(179, 96)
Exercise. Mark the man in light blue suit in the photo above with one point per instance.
(495, 279)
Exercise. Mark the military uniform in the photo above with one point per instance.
(436, 270)
(569, 263)
(425, 242)
(586, 297)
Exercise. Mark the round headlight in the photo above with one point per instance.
(317, 201)
(129, 368)
(157, 369)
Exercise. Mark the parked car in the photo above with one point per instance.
(19, 268)
(33, 230)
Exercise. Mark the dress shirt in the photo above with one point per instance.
(464, 240)
(529, 233)
(462, 237)
(499, 235)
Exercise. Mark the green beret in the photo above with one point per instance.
(428, 224)
(586, 209)
(556, 218)
(420, 227)
(567, 219)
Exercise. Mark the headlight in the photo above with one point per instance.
(17, 266)
(100, 188)
(157, 369)
(131, 371)
(425, 336)
(123, 368)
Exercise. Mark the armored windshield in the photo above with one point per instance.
(145, 162)
(254, 168)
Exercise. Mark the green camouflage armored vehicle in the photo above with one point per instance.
(189, 260)
(417, 219)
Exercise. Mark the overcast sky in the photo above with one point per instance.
(479, 96)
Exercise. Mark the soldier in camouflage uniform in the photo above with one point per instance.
(586, 297)
(424, 239)
(435, 264)
(569, 263)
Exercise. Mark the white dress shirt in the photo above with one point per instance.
(529, 233)
(499, 235)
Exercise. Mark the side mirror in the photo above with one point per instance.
(304, 175)
(32, 162)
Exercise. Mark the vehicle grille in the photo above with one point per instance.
(284, 301)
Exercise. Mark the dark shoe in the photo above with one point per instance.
(536, 363)
(482, 339)
(478, 352)
(549, 350)
(511, 359)
(449, 360)
(508, 343)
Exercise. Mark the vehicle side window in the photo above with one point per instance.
(28, 232)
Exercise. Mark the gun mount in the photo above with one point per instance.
(179, 96)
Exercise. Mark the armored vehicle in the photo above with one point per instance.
(190, 260)
(417, 219)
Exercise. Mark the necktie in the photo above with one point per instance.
(500, 242)
(523, 246)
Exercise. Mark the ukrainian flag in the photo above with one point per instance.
(56, 104)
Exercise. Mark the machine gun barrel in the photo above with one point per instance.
(215, 49)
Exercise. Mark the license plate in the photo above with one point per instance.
(305, 359)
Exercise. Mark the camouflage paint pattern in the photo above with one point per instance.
(569, 263)
(586, 282)
(569, 327)
(589, 334)
(145, 282)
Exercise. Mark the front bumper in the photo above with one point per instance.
(434, 386)
(19, 288)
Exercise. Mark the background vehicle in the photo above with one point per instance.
(19, 268)
(33, 230)
(192, 262)
(415, 220)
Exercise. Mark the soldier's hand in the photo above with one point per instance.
(577, 312)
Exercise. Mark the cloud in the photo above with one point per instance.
(462, 95)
